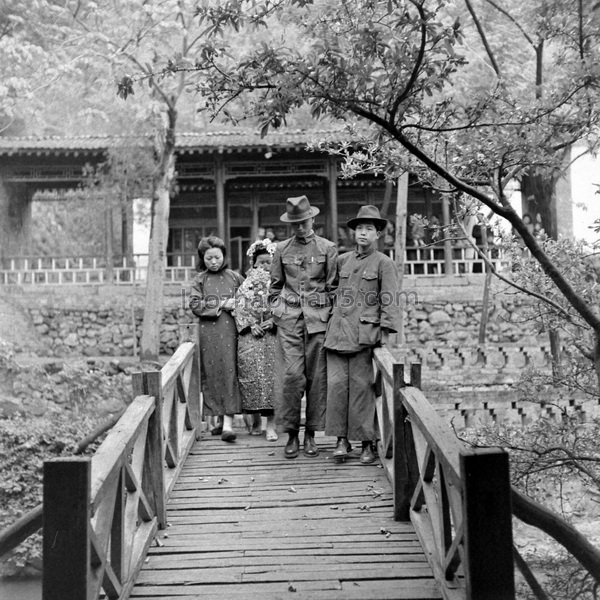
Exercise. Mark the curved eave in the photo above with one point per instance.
(219, 143)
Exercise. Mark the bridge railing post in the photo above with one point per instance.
(66, 540)
(189, 332)
(487, 518)
(153, 482)
(404, 455)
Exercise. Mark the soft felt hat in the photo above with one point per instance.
(368, 213)
(298, 209)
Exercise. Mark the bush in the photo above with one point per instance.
(76, 398)
(25, 443)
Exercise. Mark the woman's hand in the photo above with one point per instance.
(267, 325)
(257, 330)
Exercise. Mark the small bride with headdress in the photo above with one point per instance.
(256, 340)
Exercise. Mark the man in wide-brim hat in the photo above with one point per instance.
(366, 311)
(303, 281)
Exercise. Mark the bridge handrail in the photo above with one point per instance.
(449, 491)
(463, 490)
(102, 513)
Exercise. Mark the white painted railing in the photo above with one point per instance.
(93, 270)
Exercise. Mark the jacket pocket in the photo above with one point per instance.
(291, 265)
(317, 264)
(368, 281)
(369, 331)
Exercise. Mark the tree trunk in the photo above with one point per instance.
(538, 190)
(385, 207)
(159, 233)
(485, 304)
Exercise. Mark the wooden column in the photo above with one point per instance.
(400, 245)
(254, 206)
(220, 193)
(332, 209)
(109, 238)
(487, 519)
(66, 543)
(447, 242)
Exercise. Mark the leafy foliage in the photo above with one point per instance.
(76, 399)
(555, 462)
(554, 312)
(468, 97)
(25, 442)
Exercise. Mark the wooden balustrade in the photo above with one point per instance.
(100, 515)
(457, 498)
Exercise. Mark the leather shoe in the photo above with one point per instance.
(228, 436)
(292, 447)
(310, 448)
(342, 448)
(367, 456)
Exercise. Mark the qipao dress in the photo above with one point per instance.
(218, 341)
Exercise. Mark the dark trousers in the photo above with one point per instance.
(351, 395)
(300, 367)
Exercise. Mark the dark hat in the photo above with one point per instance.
(368, 213)
(298, 209)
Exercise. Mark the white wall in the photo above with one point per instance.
(585, 172)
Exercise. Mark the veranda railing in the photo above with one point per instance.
(31, 270)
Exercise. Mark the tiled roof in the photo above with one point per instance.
(217, 141)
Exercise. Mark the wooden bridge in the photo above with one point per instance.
(163, 511)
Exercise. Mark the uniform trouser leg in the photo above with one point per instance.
(337, 394)
(350, 395)
(300, 367)
(361, 412)
(290, 379)
(316, 384)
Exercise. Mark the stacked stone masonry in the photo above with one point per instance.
(473, 383)
(108, 322)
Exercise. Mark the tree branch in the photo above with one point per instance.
(416, 67)
(483, 37)
(533, 513)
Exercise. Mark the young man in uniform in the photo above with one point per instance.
(365, 312)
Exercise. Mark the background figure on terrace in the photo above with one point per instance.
(256, 341)
(303, 279)
(212, 301)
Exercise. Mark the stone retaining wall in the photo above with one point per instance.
(107, 320)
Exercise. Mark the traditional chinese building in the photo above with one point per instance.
(232, 184)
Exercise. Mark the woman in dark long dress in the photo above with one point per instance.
(212, 300)
(256, 341)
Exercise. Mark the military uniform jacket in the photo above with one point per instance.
(303, 281)
(365, 302)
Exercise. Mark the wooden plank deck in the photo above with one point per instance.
(244, 523)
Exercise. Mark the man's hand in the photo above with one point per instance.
(385, 337)
(228, 304)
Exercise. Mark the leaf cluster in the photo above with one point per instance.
(75, 399)
(580, 262)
